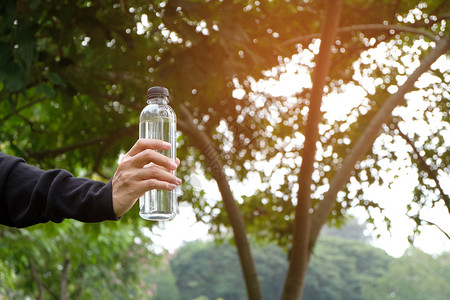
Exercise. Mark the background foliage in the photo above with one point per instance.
(341, 268)
(73, 76)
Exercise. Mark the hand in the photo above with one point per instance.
(141, 170)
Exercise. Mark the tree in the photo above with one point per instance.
(160, 280)
(71, 260)
(212, 271)
(350, 147)
(350, 230)
(208, 271)
(72, 75)
(340, 268)
(415, 275)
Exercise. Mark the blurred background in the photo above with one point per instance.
(295, 118)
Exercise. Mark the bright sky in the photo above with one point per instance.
(393, 199)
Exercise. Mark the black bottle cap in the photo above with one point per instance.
(157, 92)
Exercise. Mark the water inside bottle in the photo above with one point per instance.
(159, 205)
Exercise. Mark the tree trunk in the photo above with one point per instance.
(301, 247)
(204, 144)
(369, 135)
(64, 280)
(38, 280)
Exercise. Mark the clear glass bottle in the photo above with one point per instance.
(158, 121)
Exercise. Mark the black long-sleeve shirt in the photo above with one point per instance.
(29, 195)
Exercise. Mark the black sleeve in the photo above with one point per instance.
(29, 195)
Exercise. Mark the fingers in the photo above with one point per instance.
(157, 173)
(151, 178)
(142, 169)
(153, 184)
(144, 144)
(149, 156)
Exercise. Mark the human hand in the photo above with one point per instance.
(142, 169)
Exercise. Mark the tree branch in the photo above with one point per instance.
(37, 279)
(366, 27)
(16, 111)
(434, 224)
(98, 161)
(55, 152)
(111, 137)
(301, 246)
(64, 280)
(432, 173)
(369, 135)
(53, 294)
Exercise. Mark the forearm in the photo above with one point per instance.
(29, 195)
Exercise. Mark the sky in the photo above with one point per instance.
(392, 198)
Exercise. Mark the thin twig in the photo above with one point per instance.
(98, 161)
(432, 173)
(111, 137)
(434, 224)
(17, 110)
(366, 27)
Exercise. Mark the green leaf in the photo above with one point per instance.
(33, 4)
(13, 77)
(46, 90)
(17, 151)
(26, 47)
(56, 79)
(67, 102)
(5, 53)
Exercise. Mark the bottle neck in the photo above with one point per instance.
(158, 100)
